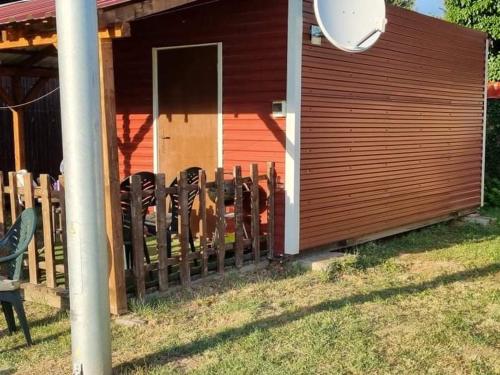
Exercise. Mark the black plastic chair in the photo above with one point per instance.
(148, 182)
(15, 244)
(193, 177)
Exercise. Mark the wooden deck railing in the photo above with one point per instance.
(224, 236)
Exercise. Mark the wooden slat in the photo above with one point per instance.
(32, 252)
(255, 212)
(185, 270)
(271, 216)
(14, 200)
(161, 231)
(221, 220)
(203, 223)
(137, 236)
(62, 204)
(2, 206)
(238, 216)
(48, 241)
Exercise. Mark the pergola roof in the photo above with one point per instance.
(26, 10)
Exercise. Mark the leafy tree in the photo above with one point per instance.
(410, 4)
(481, 15)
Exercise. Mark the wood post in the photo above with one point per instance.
(161, 231)
(221, 221)
(117, 287)
(238, 216)
(14, 199)
(32, 252)
(50, 267)
(18, 131)
(203, 224)
(137, 235)
(185, 270)
(62, 204)
(271, 187)
(254, 192)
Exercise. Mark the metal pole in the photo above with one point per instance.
(86, 238)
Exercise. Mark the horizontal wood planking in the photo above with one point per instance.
(392, 136)
(254, 37)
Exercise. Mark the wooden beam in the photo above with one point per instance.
(10, 71)
(20, 40)
(18, 125)
(18, 130)
(137, 10)
(35, 58)
(35, 90)
(117, 287)
(5, 97)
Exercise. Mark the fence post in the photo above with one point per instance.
(238, 216)
(32, 252)
(203, 224)
(221, 220)
(14, 203)
(271, 187)
(137, 235)
(255, 212)
(2, 206)
(184, 225)
(48, 241)
(62, 205)
(161, 231)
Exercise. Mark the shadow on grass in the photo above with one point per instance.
(196, 347)
(36, 341)
(232, 280)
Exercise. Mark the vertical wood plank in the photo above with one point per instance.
(161, 231)
(14, 201)
(255, 212)
(238, 216)
(185, 270)
(48, 241)
(271, 187)
(18, 131)
(113, 215)
(137, 236)
(32, 252)
(221, 221)
(203, 222)
(62, 205)
(2, 206)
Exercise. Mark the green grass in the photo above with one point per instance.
(427, 302)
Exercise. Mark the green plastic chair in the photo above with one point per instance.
(15, 244)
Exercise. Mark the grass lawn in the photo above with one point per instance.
(423, 303)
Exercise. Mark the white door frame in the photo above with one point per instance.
(220, 124)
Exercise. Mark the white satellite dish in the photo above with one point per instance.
(351, 25)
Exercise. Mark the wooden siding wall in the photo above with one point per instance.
(43, 136)
(393, 136)
(254, 37)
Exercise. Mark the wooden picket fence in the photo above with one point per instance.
(250, 241)
(215, 251)
(47, 252)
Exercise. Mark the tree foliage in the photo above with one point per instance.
(481, 15)
(409, 4)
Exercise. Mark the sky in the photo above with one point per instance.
(430, 7)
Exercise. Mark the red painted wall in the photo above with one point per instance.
(254, 37)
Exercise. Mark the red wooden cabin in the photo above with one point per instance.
(365, 145)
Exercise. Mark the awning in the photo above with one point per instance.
(494, 90)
